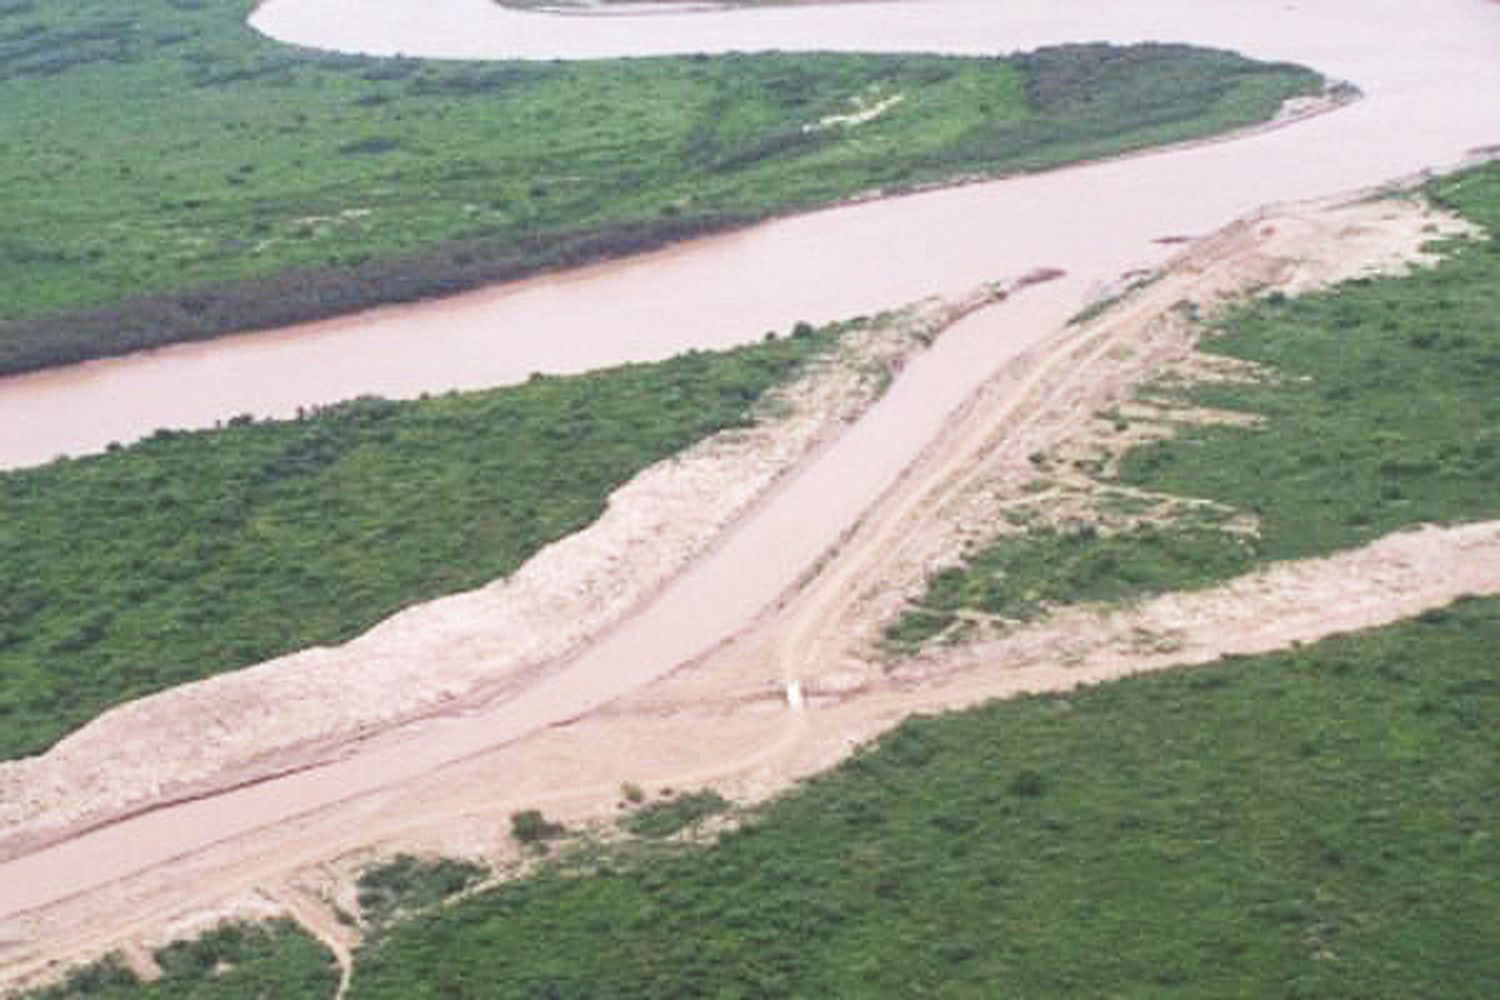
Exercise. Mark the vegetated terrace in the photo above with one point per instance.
(170, 174)
(1316, 823)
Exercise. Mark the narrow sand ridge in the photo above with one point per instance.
(726, 720)
(1419, 66)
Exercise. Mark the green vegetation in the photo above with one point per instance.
(1018, 577)
(406, 885)
(170, 174)
(1313, 824)
(1383, 412)
(249, 961)
(670, 816)
(532, 829)
(191, 554)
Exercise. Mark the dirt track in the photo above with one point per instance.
(726, 718)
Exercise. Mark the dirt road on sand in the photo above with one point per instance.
(728, 717)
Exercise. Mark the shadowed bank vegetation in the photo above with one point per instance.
(1383, 412)
(194, 553)
(671, 816)
(169, 174)
(407, 884)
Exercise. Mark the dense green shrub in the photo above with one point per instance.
(408, 884)
(237, 961)
(532, 829)
(673, 815)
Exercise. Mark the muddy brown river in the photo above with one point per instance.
(1429, 70)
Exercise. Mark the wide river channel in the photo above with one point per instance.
(1429, 71)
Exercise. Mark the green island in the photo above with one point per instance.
(1381, 413)
(170, 174)
(408, 885)
(1317, 823)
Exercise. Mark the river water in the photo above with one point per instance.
(1429, 71)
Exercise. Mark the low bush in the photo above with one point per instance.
(670, 816)
(531, 829)
(408, 884)
(236, 961)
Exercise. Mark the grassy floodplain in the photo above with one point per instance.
(166, 173)
(195, 553)
(1383, 412)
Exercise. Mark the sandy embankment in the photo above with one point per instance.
(456, 651)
